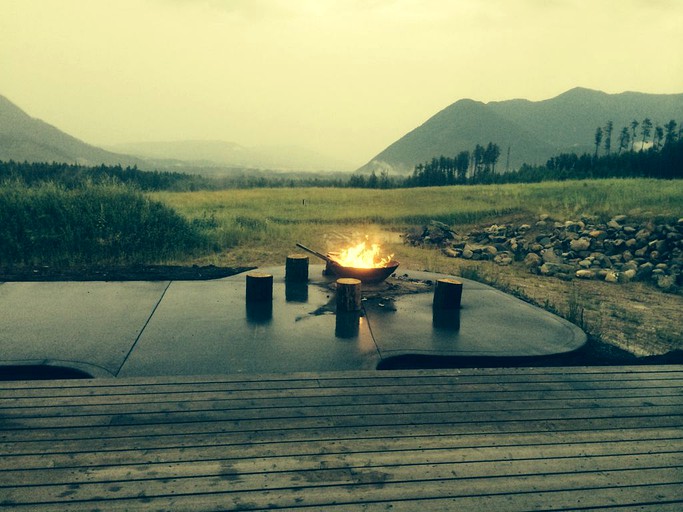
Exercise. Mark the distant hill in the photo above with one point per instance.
(24, 138)
(206, 153)
(534, 131)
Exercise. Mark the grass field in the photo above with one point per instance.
(260, 226)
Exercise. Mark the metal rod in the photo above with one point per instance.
(315, 253)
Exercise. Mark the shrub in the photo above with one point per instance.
(94, 224)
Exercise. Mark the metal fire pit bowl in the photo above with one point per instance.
(366, 275)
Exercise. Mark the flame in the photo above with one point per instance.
(361, 256)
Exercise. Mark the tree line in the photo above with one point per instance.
(642, 150)
(658, 136)
(72, 176)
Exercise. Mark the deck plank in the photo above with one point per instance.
(509, 439)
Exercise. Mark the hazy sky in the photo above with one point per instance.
(343, 77)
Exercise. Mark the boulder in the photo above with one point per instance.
(549, 256)
(627, 275)
(450, 252)
(643, 235)
(666, 282)
(645, 270)
(552, 269)
(612, 277)
(532, 260)
(581, 244)
(502, 259)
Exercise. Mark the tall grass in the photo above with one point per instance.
(457, 204)
(50, 225)
(261, 225)
(94, 224)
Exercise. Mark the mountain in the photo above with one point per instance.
(25, 138)
(533, 130)
(205, 153)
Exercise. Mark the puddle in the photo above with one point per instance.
(40, 372)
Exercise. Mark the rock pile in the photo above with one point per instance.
(616, 251)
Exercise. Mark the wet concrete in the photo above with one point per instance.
(74, 323)
(490, 324)
(205, 327)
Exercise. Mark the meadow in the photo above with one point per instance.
(48, 224)
(261, 226)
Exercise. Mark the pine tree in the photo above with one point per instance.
(598, 140)
(645, 130)
(658, 137)
(624, 139)
(634, 126)
(608, 136)
(670, 136)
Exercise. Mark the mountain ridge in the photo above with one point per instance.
(219, 152)
(22, 137)
(533, 130)
(25, 138)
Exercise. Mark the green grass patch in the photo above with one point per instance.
(94, 224)
(48, 224)
(457, 204)
(259, 226)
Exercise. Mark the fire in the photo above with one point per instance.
(361, 256)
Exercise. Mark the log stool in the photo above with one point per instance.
(259, 287)
(348, 294)
(446, 304)
(296, 268)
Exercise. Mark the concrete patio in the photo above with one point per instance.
(116, 329)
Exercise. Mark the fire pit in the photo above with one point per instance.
(359, 262)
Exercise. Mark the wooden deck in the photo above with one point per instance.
(492, 439)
